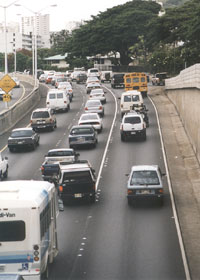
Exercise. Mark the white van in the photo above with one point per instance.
(58, 100)
(129, 99)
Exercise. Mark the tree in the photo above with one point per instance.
(115, 30)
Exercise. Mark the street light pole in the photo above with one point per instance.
(5, 34)
(34, 50)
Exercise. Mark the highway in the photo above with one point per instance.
(16, 95)
(109, 239)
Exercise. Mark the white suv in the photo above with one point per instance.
(133, 125)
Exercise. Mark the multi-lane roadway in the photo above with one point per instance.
(109, 239)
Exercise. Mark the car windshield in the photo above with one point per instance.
(77, 177)
(41, 114)
(82, 130)
(21, 133)
(132, 120)
(145, 177)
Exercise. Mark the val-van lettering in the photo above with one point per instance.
(7, 215)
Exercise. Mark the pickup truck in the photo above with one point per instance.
(50, 166)
(3, 167)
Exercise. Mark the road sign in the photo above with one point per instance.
(6, 97)
(7, 83)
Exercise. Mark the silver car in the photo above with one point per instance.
(92, 119)
(94, 106)
(145, 182)
(98, 94)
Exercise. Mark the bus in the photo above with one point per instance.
(28, 234)
(136, 81)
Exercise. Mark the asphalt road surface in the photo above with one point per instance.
(109, 239)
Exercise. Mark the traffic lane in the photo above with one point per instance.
(26, 164)
(124, 242)
(73, 222)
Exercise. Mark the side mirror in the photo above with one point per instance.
(127, 174)
(163, 174)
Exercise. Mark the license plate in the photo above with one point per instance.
(80, 140)
(2, 268)
(20, 142)
(77, 195)
(133, 133)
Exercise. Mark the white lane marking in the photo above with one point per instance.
(108, 140)
(185, 264)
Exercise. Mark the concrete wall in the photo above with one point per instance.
(184, 92)
(14, 114)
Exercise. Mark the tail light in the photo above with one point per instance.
(100, 107)
(51, 120)
(36, 253)
(61, 188)
(42, 169)
(65, 102)
(86, 108)
(160, 191)
(121, 105)
(47, 102)
(31, 121)
(129, 191)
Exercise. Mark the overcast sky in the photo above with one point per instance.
(66, 10)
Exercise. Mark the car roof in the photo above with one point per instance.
(58, 150)
(93, 84)
(135, 92)
(93, 100)
(80, 126)
(144, 167)
(74, 166)
(89, 114)
(23, 128)
(41, 109)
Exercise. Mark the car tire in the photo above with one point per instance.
(5, 175)
(144, 136)
(130, 202)
(11, 149)
(33, 146)
(92, 198)
(123, 138)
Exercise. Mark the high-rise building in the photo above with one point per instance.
(42, 28)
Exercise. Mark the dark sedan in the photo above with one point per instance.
(21, 138)
(82, 135)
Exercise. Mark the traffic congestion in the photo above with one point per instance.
(99, 145)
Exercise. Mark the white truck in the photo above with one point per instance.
(3, 167)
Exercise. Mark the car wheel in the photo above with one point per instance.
(144, 137)
(123, 138)
(5, 175)
(45, 274)
(92, 198)
(129, 201)
(1, 177)
(33, 146)
(55, 125)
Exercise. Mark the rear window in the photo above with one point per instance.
(82, 130)
(52, 96)
(143, 79)
(145, 177)
(38, 115)
(22, 133)
(12, 231)
(132, 120)
(127, 98)
(60, 153)
(59, 95)
(77, 177)
(135, 80)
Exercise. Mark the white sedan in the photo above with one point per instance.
(98, 94)
(93, 119)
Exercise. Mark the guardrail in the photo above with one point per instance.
(10, 116)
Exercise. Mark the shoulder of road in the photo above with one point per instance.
(184, 171)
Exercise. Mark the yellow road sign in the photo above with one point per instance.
(6, 97)
(7, 83)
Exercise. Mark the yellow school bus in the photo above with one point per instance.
(136, 81)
